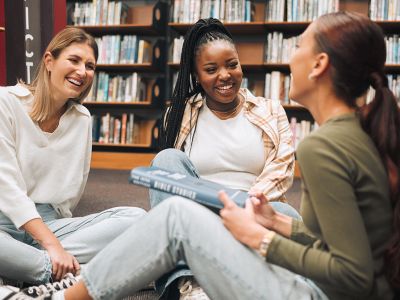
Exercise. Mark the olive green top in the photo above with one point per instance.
(346, 212)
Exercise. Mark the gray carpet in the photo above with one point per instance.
(110, 188)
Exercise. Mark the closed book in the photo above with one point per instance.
(200, 190)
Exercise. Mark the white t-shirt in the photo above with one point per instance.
(38, 167)
(229, 152)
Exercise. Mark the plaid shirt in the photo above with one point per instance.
(277, 175)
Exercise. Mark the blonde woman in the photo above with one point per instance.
(45, 150)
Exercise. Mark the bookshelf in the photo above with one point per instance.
(251, 39)
(129, 88)
(156, 23)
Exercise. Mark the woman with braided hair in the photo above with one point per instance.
(226, 134)
(346, 246)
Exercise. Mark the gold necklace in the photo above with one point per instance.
(224, 115)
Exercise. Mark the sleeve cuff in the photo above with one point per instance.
(20, 214)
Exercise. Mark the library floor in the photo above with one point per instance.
(110, 188)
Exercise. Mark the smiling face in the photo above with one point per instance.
(218, 71)
(302, 63)
(71, 72)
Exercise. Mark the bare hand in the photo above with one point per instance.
(263, 212)
(241, 222)
(62, 262)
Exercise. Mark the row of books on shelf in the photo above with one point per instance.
(392, 49)
(279, 49)
(189, 11)
(127, 49)
(277, 85)
(298, 10)
(177, 49)
(381, 10)
(98, 12)
(118, 88)
(108, 129)
(301, 129)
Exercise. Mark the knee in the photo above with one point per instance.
(127, 212)
(286, 209)
(168, 156)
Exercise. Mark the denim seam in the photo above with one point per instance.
(131, 276)
(201, 251)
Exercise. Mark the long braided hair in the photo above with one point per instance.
(345, 36)
(201, 33)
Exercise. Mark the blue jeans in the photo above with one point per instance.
(181, 230)
(177, 161)
(23, 259)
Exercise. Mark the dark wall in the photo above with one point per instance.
(29, 28)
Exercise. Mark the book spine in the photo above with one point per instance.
(174, 187)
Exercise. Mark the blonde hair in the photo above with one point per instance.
(40, 87)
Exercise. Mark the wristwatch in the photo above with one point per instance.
(265, 242)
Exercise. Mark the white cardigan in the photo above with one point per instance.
(39, 167)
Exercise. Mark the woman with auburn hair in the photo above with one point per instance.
(346, 246)
(45, 150)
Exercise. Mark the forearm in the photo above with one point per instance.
(282, 224)
(41, 233)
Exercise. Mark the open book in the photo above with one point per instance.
(200, 190)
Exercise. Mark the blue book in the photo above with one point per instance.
(200, 190)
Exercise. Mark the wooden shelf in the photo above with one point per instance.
(392, 68)
(389, 26)
(252, 67)
(120, 161)
(277, 67)
(126, 67)
(122, 145)
(294, 107)
(138, 103)
(141, 29)
(288, 27)
(252, 28)
(297, 170)
(284, 67)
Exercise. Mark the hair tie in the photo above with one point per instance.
(378, 80)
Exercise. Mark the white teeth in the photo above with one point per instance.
(225, 87)
(74, 81)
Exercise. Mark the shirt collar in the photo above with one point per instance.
(19, 90)
(78, 107)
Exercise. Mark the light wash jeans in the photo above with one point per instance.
(23, 259)
(177, 161)
(177, 230)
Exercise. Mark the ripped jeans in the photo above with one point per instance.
(23, 259)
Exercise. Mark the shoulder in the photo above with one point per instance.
(261, 105)
(78, 108)
(339, 139)
(12, 97)
(9, 93)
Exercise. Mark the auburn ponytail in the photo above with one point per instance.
(381, 120)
